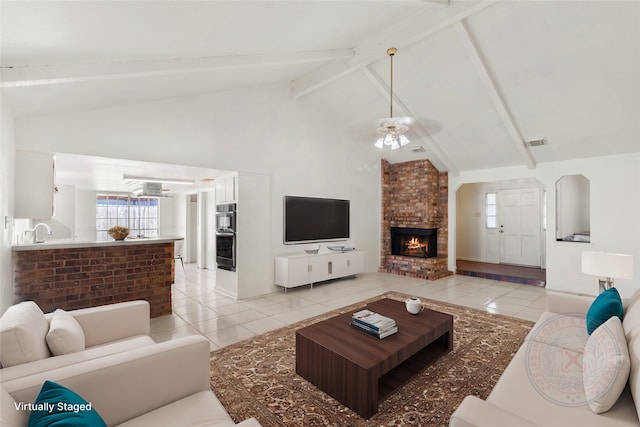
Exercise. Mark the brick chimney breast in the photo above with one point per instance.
(414, 195)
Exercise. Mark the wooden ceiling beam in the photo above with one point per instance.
(38, 75)
(492, 88)
(420, 26)
(436, 154)
(416, 3)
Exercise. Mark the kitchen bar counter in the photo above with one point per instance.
(72, 243)
(71, 274)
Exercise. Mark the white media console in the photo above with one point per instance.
(303, 269)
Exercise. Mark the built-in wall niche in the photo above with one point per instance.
(573, 218)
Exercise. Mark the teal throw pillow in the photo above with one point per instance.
(605, 306)
(57, 406)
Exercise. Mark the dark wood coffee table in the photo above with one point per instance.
(358, 369)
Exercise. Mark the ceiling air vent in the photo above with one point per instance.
(536, 142)
(418, 149)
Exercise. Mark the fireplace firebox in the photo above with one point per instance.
(414, 242)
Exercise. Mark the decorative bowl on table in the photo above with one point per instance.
(312, 251)
(340, 248)
(118, 232)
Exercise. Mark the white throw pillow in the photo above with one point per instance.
(65, 334)
(631, 319)
(606, 365)
(23, 331)
(634, 372)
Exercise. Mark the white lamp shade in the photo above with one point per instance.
(603, 264)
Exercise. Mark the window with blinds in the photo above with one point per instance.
(140, 214)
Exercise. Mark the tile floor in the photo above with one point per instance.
(198, 309)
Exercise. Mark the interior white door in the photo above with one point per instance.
(520, 218)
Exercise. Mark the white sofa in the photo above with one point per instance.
(106, 330)
(166, 384)
(543, 383)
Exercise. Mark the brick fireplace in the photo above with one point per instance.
(415, 205)
(414, 242)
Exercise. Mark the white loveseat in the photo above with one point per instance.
(543, 383)
(105, 330)
(166, 384)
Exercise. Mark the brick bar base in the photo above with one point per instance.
(73, 278)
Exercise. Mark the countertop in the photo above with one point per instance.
(71, 243)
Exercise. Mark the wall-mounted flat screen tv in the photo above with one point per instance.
(313, 219)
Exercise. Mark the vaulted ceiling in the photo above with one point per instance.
(480, 77)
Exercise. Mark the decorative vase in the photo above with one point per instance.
(121, 235)
(413, 305)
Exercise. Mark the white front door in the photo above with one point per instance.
(519, 226)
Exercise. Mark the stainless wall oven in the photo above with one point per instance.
(226, 218)
(226, 236)
(226, 251)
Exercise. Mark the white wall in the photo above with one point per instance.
(257, 130)
(168, 218)
(615, 216)
(7, 172)
(469, 225)
(63, 224)
(180, 215)
(85, 209)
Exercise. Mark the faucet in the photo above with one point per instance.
(34, 230)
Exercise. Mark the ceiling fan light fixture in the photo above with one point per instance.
(391, 131)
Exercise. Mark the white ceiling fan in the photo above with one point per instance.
(392, 130)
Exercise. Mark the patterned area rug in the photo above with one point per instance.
(257, 377)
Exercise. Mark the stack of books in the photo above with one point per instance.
(373, 323)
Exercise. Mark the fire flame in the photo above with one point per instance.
(415, 244)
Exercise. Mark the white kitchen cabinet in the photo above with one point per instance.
(226, 189)
(304, 269)
(34, 185)
(254, 262)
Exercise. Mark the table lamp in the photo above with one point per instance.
(607, 265)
